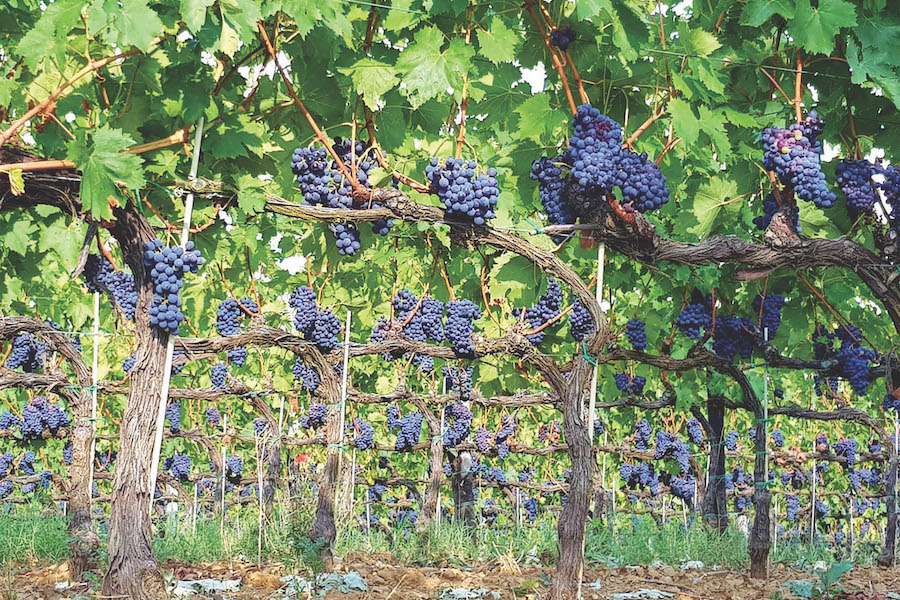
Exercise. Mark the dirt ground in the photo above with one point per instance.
(387, 580)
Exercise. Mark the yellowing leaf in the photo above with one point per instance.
(16, 182)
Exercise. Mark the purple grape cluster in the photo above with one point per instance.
(307, 375)
(769, 307)
(40, 415)
(213, 416)
(495, 474)
(9, 420)
(642, 434)
(731, 440)
(640, 476)
(669, 445)
(322, 327)
(637, 336)
(173, 415)
(315, 417)
(580, 321)
(461, 316)
(792, 504)
(6, 460)
(100, 276)
(233, 467)
(693, 319)
(259, 425)
(595, 150)
(410, 431)
(551, 187)
(694, 431)
(548, 307)
(545, 431)
(67, 453)
(561, 37)
(303, 301)
(459, 380)
(179, 465)
(683, 487)
(26, 465)
(217, 376)
(460, 419)
(167, 268)
(508, 426)
(632, 385)
(483, 440)
(854, 177)
(642, 184)
(822, 509)
(734, 336)
(365, 434)
(778, 438)
(27, 353)
(793, 154)
(376, 492)
(464, 194)
(847, 448)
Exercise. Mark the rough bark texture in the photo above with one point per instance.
(759, 542)
(133, 571)
(714, 507)
(429, 510)
(886, 558)
(324, 527)
(463, 489)
(573, 518)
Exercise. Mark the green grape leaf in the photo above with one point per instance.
(131, 24)
(102, 163)
(498, 42)
(710, 200)
(429, 71)
(814, 28)
(371, 79)
(757, 12)
(194, 12)
(686, 124)
(537, 118)
(49, 34)
(251, 196)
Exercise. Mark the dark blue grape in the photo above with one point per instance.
(173, 415)
(694, 431)
(167, 267)
(771, 306)
(309, 378)
(636, 333)
(463, 193)
(693, 319)
(365, 434)
(217, 376)
(461, 316)
(315, 417)
(561, 38)
(854, 177)
(548, 307)
(213, 416)
(580, 321)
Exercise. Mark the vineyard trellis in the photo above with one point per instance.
(101, 183)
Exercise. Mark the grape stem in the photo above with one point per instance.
(798, 86)
(529, 6)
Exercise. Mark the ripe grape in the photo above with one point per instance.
(259, 425)
(173, 415)
(460, 418)
(217, 376)
(637, 336)
(167, 268)
(694, 431)
(461, 315)
(213, 416)
(410, 432)
(671, 446)
(642, 184)
(683, 487)
(693, 319)
(562, 37)
(100, 276)
(580, 321)
(734, 336)
(547, 308)
(642, 434)
(307, 375)
(731, 440)
(67, 453)
(770, 207)
(179, 465)
(847, 448)
(771, 312)
(551, 186)
(595, 150)
(315, 417)
(793, 507)
(794, 156)
(854, 177)
(365, 436)
(463, 193)
(482, 439)
(233, 467)
(9, 420)
(778, 438)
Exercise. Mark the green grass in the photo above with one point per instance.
(29, 535)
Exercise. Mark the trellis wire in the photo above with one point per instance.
(170, 344)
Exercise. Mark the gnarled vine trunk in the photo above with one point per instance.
(133, 571)
(762, 499)
(714, 507)
(463, 489)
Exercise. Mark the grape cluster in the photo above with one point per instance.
(778, 438)
(6, 460)
(731, 440)
(508, 426)
(551, 187)
(640, 476)
(26, 465)
(683, 487)
(303, 301)
(637, 336)
(101, 276)
(213, 416)
(179, 466)
(770, 307)
(67, 453)
(846, 448)
(822, 509)
(792, 504)
(393, 417)
(173, 415)
(694, 431)
(693, 319)
(233, 467)
(27, 353)
(734, 336)
(548, 307)
(669, 445)
(642, 184)
(549, 432)
(410, 431)
(595, 150)
(464, 194)
(632, 385)
(793, 154)
(580, 321)
(217, 376)
(40, 415)
(167, 267)
(562, 37)
(259, 425)
(322, 327)
(461, 316)
(460, 419)
(642, 434)
(854, 364)
(376, 492)
(482, 439)
(854, 177)
(9, 420)
(365, 434)
(770, 208)
(6, 488)
(315, 416)
(307, 375)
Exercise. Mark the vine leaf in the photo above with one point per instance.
(537, 117)
(757, 12)
(372, 79)
(815, 28)
(430, 71)
(194, 12)
(710, 200)
(131, 24)
(251, 198)
(686, 123)
(53, 25)
(103, 162)
(498, 43)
